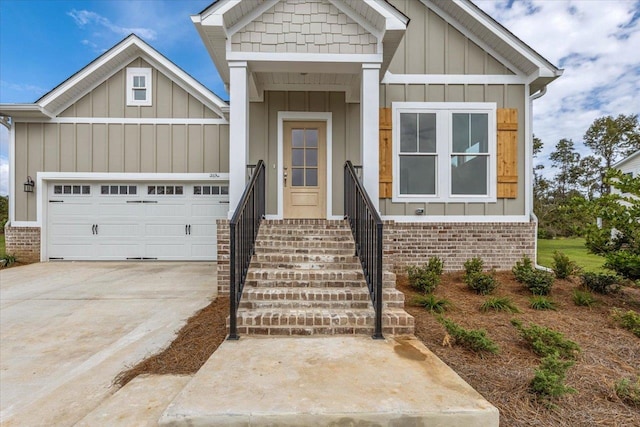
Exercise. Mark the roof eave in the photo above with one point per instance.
(25, 111)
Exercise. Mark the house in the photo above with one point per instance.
(133, 159)
(629, 165)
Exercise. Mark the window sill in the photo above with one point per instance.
(437, 199)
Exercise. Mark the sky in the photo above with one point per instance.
(596, 42)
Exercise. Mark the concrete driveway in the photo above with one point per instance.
(67, 329)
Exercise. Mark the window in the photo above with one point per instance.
(139, 86)
(107, 190)
(444, 152)
(210, 190)
(165, 190)
(83, 190)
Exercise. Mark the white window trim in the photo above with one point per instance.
(136, 72)
(443, 181)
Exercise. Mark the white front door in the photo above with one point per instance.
(117, 221)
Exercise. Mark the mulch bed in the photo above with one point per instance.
(192, 347)
(609, 353)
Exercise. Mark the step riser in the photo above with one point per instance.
(300, 304)
(274, 295)
(312, 237)
(302, 275)
(323, 331)
(292, 258)
(305, 265)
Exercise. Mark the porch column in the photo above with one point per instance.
(238, 132)
(369, 123)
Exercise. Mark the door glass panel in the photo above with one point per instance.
(133, 189)
(123, 189)
(206, 190)
(76, 189)
(297, 177)
(160, 189)
(57, 189)
(224, 190)
(297, 157)
(179, 189)
(312, 157)
(169, 189)
(311, 137)
(86, 189)
(151, 189)
(312, 177)
(297, 138)
(67, 189)
(113, 189)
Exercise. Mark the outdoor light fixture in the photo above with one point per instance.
(28, 186)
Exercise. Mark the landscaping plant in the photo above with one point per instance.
(548, 381)
(629, 320)
(539, 302)
(628, 392)
(499, 304)
(546, 342)
(600, 283)
(522, 269)
(562, 266)
(426, 278)
(478, 281)
(538, 282)
(473, 265)
(473, 339)
(432, 303)
(583, 298)
(7, 260)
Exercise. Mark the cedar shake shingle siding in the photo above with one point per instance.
(304, 26)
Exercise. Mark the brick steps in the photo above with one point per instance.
(314, 321)
(305, 280)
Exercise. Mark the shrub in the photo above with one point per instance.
(629, 320)
(473, 265)
(522, 269)
(499, 304)
(624, 263)
(562, 266)
(540, 302)
(432, 303)
(7, 260)
(545, 342)
(426, 278)
(539, 282)
(628, 392)
(474, 339)
(583, 298)
(600, 283)
(481, 283)
(548, 380)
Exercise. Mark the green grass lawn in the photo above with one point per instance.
(574, 248)
(1, 243)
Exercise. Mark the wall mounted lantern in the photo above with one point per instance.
(28, 186)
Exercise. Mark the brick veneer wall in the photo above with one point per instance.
(500, 245)
(23, 243)
(223, 256)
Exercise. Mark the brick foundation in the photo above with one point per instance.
(500, 245)
(23, 243)
(223, 256)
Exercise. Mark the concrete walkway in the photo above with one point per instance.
(327, 381)
(67, 329)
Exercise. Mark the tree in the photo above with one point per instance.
(618, 237)
(613, 139)
(566, 160)
(590, 176)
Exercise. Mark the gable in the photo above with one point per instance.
(108, 99)
(304, 26)
(431, 45)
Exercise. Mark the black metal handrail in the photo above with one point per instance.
(366, 226)
(243, 230)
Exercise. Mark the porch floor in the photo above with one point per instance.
(341, 381)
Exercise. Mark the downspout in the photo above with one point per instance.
(534, 218)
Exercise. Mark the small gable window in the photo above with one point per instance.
(139, 86)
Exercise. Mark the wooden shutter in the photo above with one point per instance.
(385, 154)
(507, 124)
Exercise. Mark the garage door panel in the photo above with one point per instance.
(173, 226)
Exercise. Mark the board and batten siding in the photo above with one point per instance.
(109, 99)
(345, 136)
(433, 46)
(99, 147)
(505, 96)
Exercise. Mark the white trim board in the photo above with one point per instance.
(452, 79)
(309, 117)
(134, 121)
(457, 218)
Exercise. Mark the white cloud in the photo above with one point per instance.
(85, 18)
(597, 44)
(18, 87)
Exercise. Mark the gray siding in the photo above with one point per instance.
(79, 147)
(264, 135)
(308, 26)
(505, 96)
(109, 99)
(432, 46)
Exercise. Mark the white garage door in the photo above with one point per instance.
(118, 221)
